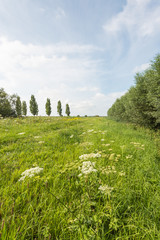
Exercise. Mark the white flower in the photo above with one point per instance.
(106, 145)
(71, 136)
(41, 142)
(105, 189)
(86, 143)
(21, 133)
(37, 136)
(121, 173)
(112, 156)
(90, 155)
(102, 140)
(91, 130)
(87, 167)
(30, 173)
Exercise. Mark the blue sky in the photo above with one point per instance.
(82, 52)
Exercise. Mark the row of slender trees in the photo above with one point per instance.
(141, 104)
(11, 106)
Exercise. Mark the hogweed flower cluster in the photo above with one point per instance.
(87, 167)
(90, 155)
(108, 170)
(30, 173)
(21, 133)
(106, 189)
(86, 144)
(91, 130)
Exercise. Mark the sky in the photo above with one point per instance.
(81, 52)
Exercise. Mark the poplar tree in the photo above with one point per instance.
(33, 106)
(24, 108)
(59, 108)
(67, 110)
(18, 106)
(48, 107)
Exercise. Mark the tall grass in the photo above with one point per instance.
(119, 200)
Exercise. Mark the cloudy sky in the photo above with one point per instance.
(82, 52)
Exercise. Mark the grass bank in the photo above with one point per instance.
(89, 178)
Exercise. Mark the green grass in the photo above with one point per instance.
(58, 203)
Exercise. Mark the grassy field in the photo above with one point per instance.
(89, 178)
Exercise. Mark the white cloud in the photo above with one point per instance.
(141, 68)
(60, 13)
(60, 71)
(137, 19)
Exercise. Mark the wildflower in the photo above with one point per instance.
(21, 133)
(90, 155)
(112, 156)
(121, 173)
(41, 142)
(106, 145)
(86, 143)
(30, 173)
(107, 170)
(104, 155)
(106, 189)
(102, 140)
(83, 133)
(129, 156)
(71, 136)
(37, 136)
(91, 130)
(88, 167)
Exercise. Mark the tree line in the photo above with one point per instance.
(12, 106)
(141, 104)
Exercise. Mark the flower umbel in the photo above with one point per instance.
(106, 189)
(90, 155)
(30, 173)
(88, 167)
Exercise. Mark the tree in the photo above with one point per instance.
(48, 107)
(33, 106)
(5, 106)
(12, 100)
(67, 110)
(24, 108)
(18, 106)
(59, 108)
(141, 104)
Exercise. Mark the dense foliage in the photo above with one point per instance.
(33, 106)
(48, 107)
(141, 104)
(18, 106)
(7, 104)
(24, 108)
(59, 108)
(68, 110)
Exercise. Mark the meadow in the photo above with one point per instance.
(78, 178)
